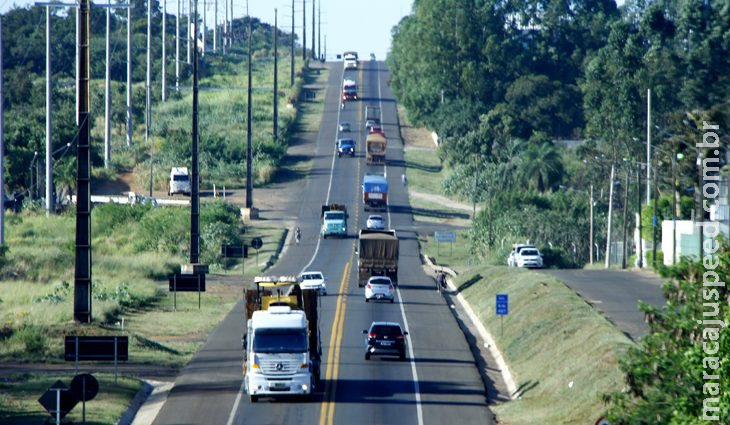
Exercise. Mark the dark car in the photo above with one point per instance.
(345, 147)
(386, 338)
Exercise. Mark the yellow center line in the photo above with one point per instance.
(331, 374)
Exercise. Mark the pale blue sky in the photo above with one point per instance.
(362, 25)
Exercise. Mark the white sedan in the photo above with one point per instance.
(379, 288)
(313, 280)
(375, 222)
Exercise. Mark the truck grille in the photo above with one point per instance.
(279, 367)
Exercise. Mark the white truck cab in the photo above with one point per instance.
(277, 354)
(179, 181)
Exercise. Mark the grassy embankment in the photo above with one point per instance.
(131, 262)
(563, 354)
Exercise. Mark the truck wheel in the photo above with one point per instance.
(367, 300)
(254, 398)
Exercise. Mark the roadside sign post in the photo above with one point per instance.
(502, 309)
(85, 387)
(188, 281)
(58, 401)
(102, 348)
(444, 237)
(257, 243)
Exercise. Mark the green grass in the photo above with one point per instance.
(456, 256)
(270, 236)
(551, 338)
(19, 399)
(424, 170)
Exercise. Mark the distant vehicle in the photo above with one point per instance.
(376, 145)
(344, 126)
(529, 258)
(370, 124)
(377, 255)
(516, 248)
(385, 338)
(334, 220)
(372, 56)
(375, 222)
(374, 186)
(179, 181)
(349, 90)
(372, 113)
(345, 147)
(313, 280)
(379, 288)
(350, 59)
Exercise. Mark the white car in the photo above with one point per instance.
(313, 280)
(375, 222)
(529, 258)
(379, 288)
(344, 126)
(516, 248)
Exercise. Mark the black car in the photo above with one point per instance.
(385, 338)
(345, 147)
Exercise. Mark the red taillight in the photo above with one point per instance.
(372, 335)
(370, 286)
(400, 337)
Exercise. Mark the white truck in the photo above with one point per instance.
(350, 59)
(282, 347)
(179, 181)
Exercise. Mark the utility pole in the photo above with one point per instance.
(129, 76)
(319, 30)
(638, 217)
(626, 210)
(189, 32)
(215, 26)
(2, 144)
(148, 77)
(610, 211)
(195, 182)
(49, 148)
(230, 41)
(205, 28)
(82, 272)
(276, 76)
(325, 48)
(304, 30)
(648, 146)
(177, 48)
(590, 209)
(314, 28)
(78, 23)
(291, 76)
(164, 50)
(249, 150)
(108, 94)
(225, 25)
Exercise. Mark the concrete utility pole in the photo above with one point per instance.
(215, 26)
(190, 28)
(195, 181)
(314, 28)
(292, 45)
(276, 76)
(324, 58)
(648, 146)
(225, 26)
(249, 149)
(148, 77)
(49, 149)
(108, 94)
(129, 76)
(319, 30)
(610, 211)
(164, 50)
(205, 28)
(177, 48)
(78, 23)
(590, 208)
(304, 30)
(2, 144)
(230, 31)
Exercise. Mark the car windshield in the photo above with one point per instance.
(528, 252)
(312, 276)
(389, 330)
(337, 215)
(380, 281)
(345, 143)
(375, 218)
(280, 341)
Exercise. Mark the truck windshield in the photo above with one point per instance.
(280, 341)
(180, 178)
(335, 216)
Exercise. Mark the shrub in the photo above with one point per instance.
(33, 338)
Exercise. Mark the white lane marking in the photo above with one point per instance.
(232, 415)
(417, 387)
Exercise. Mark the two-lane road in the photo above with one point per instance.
(439, 382)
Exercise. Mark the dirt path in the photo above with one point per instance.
(444, 201)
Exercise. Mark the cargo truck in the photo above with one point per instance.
(334, 220)
(375, 145)
(377, 255)
(349, 90)
(350, 59)
(282, 349)
(375, 192)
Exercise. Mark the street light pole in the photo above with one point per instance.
(590, 208)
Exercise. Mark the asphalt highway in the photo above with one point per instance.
(437, 384)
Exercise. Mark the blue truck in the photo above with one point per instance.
(375, 192)
(334, 221)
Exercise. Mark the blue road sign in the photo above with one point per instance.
(502, 304)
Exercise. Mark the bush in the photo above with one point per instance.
(33, 338)
(558, 258)
(108, 216)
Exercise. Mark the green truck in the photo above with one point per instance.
(334, 221)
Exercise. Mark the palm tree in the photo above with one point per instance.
(541, 167)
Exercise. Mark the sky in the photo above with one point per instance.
(360, 25)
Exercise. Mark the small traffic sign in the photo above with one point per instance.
(257, 243)
(444, 236)
(57, 400)
(502, 304)
(85, 387)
